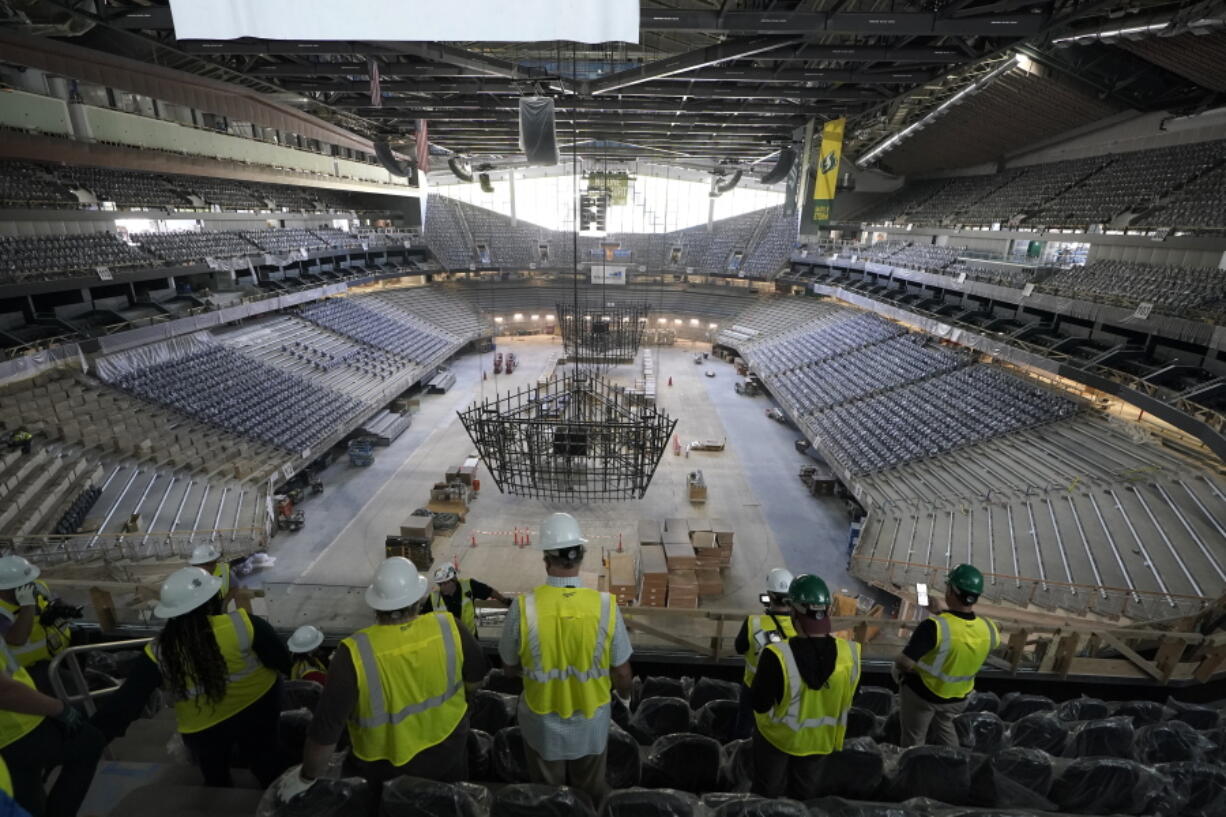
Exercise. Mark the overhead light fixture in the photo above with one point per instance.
(1111, 34)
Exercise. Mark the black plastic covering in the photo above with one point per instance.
(389, 161)
(491, 711)
(97, 679)
(1015, 705)
(1202, 786)
(878, 700)
(712, 689)
(661, 686)
(1031, 769)
(940, 772)
(1195, 715)
(292, 733)
(1107, 786)
(623, 767)
(1042, 730)
(116, 663)
(685, 762)
(349, 797)
(652, 803)
(736, 766)
(415, 797)
(657, 717)
(1170, 742)
(717, 719)
(857, 771)
(838, 807)
(537, 133)
(982, 702)
(980, 731)
(535, 800)
(619, 712)
(891, 729)
(1143, 712)
(499, 681)
(1109, 737)
(751, 806)
(300, 695)
(783, 166)
(480, 755)
(861, 723)
(1082, 709)
(509, 756)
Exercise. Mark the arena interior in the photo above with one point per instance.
(277, 293)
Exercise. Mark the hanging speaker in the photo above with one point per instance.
(460, 169)
(723, 187)
(486, 187)
(390, 163)
(537, 135)
(787, 157)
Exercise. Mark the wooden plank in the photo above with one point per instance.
(1066, 652)
(638, 626)
(1017, 648)
(1210, 665)
(104, 608)
(1170, 650)
(1049, 654)
(1145, 666)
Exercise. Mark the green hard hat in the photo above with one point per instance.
(966, 579)
(807, 590)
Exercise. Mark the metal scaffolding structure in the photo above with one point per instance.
(602, 334)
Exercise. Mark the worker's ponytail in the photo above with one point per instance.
(189, 657)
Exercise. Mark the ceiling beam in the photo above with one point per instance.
(425, 108)
(702, 91)
(691, 61)
(462, 58)
(734, 74)
(358, 69)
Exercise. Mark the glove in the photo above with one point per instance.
(70, 721)
(292, 785)
(625, 700)
(896, 675)
(25, 595)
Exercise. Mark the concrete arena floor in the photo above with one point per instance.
(752, 484)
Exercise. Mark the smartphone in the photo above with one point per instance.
(921, 593)
(765, 599)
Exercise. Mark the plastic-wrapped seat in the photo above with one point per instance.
(480, 755)
(684, 762)
(1015, 705)
(761, 807)
(623, 767)
(1082, 709)
(1170, 742)
(878, 700)
(348, 797)
(1143, 712)
(940, 772)
(415, 797)
(1202, 785)
(660, 686)
(656, 717)
(1108, 737)
(838, 807)
(652, 803)
(499, 681)
(1041, 730)
(1107, 786)
(292, 731)
(509, 763)
(982, 702)
(536, 800)
(861, 723)
(491, 711)
(736, 766)
(712, 689)
(980, 731)
(856, 771)
(1195, 715)
(717, 719)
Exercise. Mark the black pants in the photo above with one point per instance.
(447, 763)
(744, 725)
(254, 731)
(778, 774)
(31, 757)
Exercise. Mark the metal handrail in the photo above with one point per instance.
(85, 696)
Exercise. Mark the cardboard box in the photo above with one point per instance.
(680, 556)
(722, 530)
(649, 532)
(621, 580)
(417, 527)
(703, 539)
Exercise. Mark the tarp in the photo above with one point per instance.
(585, 21)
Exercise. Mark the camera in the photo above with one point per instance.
(58, 613)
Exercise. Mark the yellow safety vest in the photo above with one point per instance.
(468, 612)
(6, 782)
(811, 721)
(565, 647)
(44, 642)
(758, 627)
(410, 687)
(949, 669)
(13, 725)
(248, 678)
(304, 666)
(222, 571)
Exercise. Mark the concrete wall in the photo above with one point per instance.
(1124, 133)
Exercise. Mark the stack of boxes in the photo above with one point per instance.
(682, 564)
(653, 576)
(621, 577)
(682, 560)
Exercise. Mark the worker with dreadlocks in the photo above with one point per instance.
(756, 632)
(801, 696)
(936, 670)
(221, 670)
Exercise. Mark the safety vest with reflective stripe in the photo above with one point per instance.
(222, 571)
(948, 670)
(247, 678)
(306, 666)
(811, 721)
(14, 725)
(565, 646)
(468, 613)
(410, 687)
(43, 642)
(6, 782)
(756, 628)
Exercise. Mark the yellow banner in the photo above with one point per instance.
(827, 169)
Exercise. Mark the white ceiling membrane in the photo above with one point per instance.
(584, 21)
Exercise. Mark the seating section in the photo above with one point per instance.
(286, 241)
(240, 394)
(24, 184)
(126, 190)
(434, 305)
(371, 326)
(194, 247)
(769, 316)
(1030, 190)
(1178, 290)
(65, 256)
(1200, 204)
(839, 333)
(446, 234)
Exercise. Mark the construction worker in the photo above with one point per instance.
(208, 559)
(570, 646)
(937, 668)
(22, 439)
(457, 595)
(37, 734)
(399, 687)
(801, 696)
(30, 618)
(775, 624)
(309, 665)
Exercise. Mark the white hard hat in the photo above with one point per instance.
(306, 638)
(558, 532)
(778, 581)
(185, 590)
(397, 585)
(203, 554)
(445, 573)
(16, 571)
